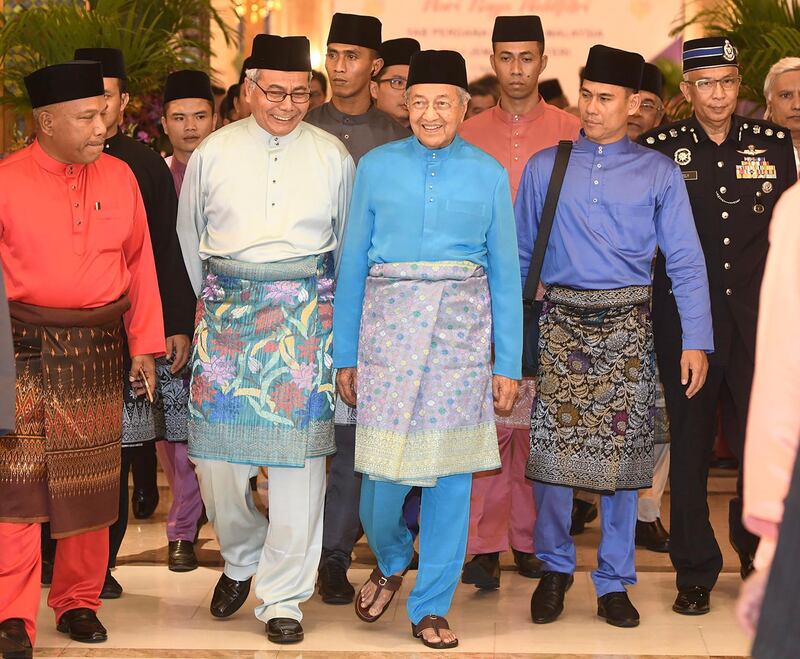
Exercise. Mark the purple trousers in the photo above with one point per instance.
(187, 504)
(502, 507)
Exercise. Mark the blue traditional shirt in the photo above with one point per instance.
(411, 203)
(619, 202)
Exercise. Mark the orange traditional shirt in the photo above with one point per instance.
(513, 138)
(76, 237)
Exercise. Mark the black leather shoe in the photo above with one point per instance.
(528, 565)
(483, 571)
(583, 513)
(47, 571)
(83, 626)
(181, 556)
(693, 601)
(144, 503)
(14, 641)
(617, 609)
(284, 630)
(547, 601)
(334, 588)
(652, 536)
(112, 589)
(229, 595)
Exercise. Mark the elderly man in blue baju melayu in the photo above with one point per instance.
(429, 279)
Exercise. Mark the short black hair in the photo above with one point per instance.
(226, 108)
(217, 90)
(487, 85)
(321, 79)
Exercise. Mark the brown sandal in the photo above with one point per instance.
(435, 623)
(391, 583)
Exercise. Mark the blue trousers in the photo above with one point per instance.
(444, 524)
(616, 566)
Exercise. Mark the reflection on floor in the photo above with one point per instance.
(165, 615)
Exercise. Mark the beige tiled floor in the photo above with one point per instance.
(165, 615)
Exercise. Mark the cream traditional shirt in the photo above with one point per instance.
(260, 198)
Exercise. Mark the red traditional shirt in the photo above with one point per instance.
(76, 237)
(513, 138)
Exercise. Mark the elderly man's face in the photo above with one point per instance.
(279, 117)
(605, 110)
(784, 101)
(389, 92)
(712, 92)
(350, 68)
(435, 112)
(74, 131)
(647, 117)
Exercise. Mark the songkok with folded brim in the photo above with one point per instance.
(707, 53)
(398, 51)
(612, 66)
(355, 30)
(438, 67)
(68, 81)
(111, 60)
(188, 84)
(517, 28)
(280, 53)
(550, 89)
(652, 80)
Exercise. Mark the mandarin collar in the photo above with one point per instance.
(270, 140)
(436, 155)
(350, 119)
(500, 114)
(47, 162)
(111, 141)
(620, 146)
(734, 134)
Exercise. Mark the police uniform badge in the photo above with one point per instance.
(683, 156)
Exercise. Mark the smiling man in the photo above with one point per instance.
(735, 169)
(592, 426)
(351, 61)
(428, 270)
(261, 214)
(78, 266)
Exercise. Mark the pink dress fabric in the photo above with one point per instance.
(773, 428)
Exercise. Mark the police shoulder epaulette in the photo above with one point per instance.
(667, 133)
(765, 128)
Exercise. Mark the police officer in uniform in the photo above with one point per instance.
(734, 169)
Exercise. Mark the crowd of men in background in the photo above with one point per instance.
(411, 197)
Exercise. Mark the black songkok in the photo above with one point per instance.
(708, 52)
(518, 28)
(188, 84)
(355, 30)
(398, 51)
(652, 80)
(614, 67)
(69, 81)
(550, 89)
(280, 53)
(111, 60)
(442, 67)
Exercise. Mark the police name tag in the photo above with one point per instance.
(689, 176)
(755, 167)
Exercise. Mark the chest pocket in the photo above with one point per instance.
(108, 230)
(630, 224)
(465, 218)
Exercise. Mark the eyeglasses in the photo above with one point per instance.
(395, 83)
(277, 96)
(649, 106)
(707, 85)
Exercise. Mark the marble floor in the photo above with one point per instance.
(165, 615)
